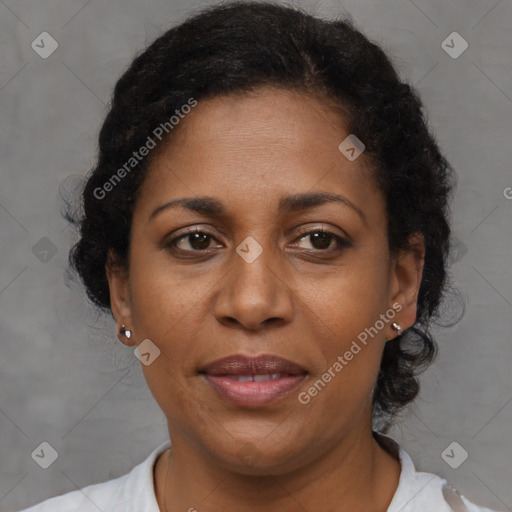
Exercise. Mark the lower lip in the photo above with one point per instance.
(254, 394)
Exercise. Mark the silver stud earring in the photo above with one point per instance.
(125, 331)
(397, 328)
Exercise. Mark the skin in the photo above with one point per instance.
(299, 299)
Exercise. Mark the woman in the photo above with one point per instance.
(267, 223)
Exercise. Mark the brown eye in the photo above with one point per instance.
(196, 240)
(321, 240)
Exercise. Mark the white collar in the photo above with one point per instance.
(416, 491)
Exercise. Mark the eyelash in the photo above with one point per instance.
(304, 232)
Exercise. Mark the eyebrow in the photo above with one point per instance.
(212, 207)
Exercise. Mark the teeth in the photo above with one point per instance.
(257, 378)
(262, 378)
(244, 378)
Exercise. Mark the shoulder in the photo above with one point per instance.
(426, 491)
(416, 492)
(100, 496)
(131, 492)
(423, 492)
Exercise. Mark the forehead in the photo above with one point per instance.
(265, 120)
(259, 145)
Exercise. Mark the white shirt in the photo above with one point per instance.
(134, 492)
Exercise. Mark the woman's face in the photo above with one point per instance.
(260, 280)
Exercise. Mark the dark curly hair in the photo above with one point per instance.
(235, 48)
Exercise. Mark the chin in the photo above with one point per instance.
(258, 457)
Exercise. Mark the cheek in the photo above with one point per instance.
(352, 297)
(348, 308)
(160, 299)
(164, 310)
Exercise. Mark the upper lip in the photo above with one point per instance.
(244, 365)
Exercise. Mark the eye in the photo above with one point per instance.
(198, 240)
(322, 239)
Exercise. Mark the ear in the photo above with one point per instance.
(120, 295)
(406, 274)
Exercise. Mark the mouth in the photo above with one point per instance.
(253, 381)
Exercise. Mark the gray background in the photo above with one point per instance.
(65, 379)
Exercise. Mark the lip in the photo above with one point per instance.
(222, 376)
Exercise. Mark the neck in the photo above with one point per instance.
(358, 474)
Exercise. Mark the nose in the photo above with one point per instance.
(254, 295)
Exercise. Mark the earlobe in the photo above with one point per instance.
(120, 297)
